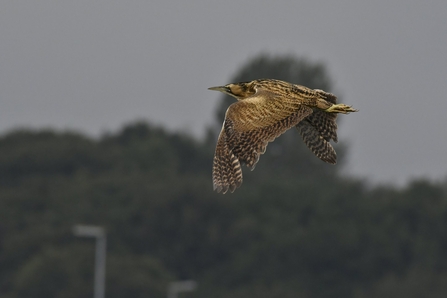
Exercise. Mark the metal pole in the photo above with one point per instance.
(100, 255)
(180, 286)
(100, 266)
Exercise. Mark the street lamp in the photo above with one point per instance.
(180, 286)
(100, 255)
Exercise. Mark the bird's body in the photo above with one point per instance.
(267, 108)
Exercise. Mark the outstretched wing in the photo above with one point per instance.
(248, 128)
(325, 123)
(316, 142)
(227, 172)
(319, 128)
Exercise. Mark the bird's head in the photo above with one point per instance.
(238, 90)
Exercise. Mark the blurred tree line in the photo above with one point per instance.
(296, 228)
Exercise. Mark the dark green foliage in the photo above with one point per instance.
(296, 227)
(278, 236)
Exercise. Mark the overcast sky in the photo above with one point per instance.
(93, 66)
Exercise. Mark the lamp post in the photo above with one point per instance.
(100, 255)
(180, 286)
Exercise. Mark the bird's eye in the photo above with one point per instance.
(250, 89)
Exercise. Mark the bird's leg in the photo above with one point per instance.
(329, 107)
(340, 108)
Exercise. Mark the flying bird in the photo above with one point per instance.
(266, 108)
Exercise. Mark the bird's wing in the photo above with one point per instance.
(227, 172)
(319, 128)
(262, 110)
(316, 142)
(324, 123)
(248, 127)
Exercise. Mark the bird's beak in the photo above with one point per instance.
(220, 88)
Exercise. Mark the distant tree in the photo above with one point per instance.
(296, 228)
(46, 153)
(415, 283)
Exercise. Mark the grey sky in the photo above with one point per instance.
(95, 65)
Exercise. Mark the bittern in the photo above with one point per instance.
(266, 108)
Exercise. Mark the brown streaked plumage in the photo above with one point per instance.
(267, 108)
